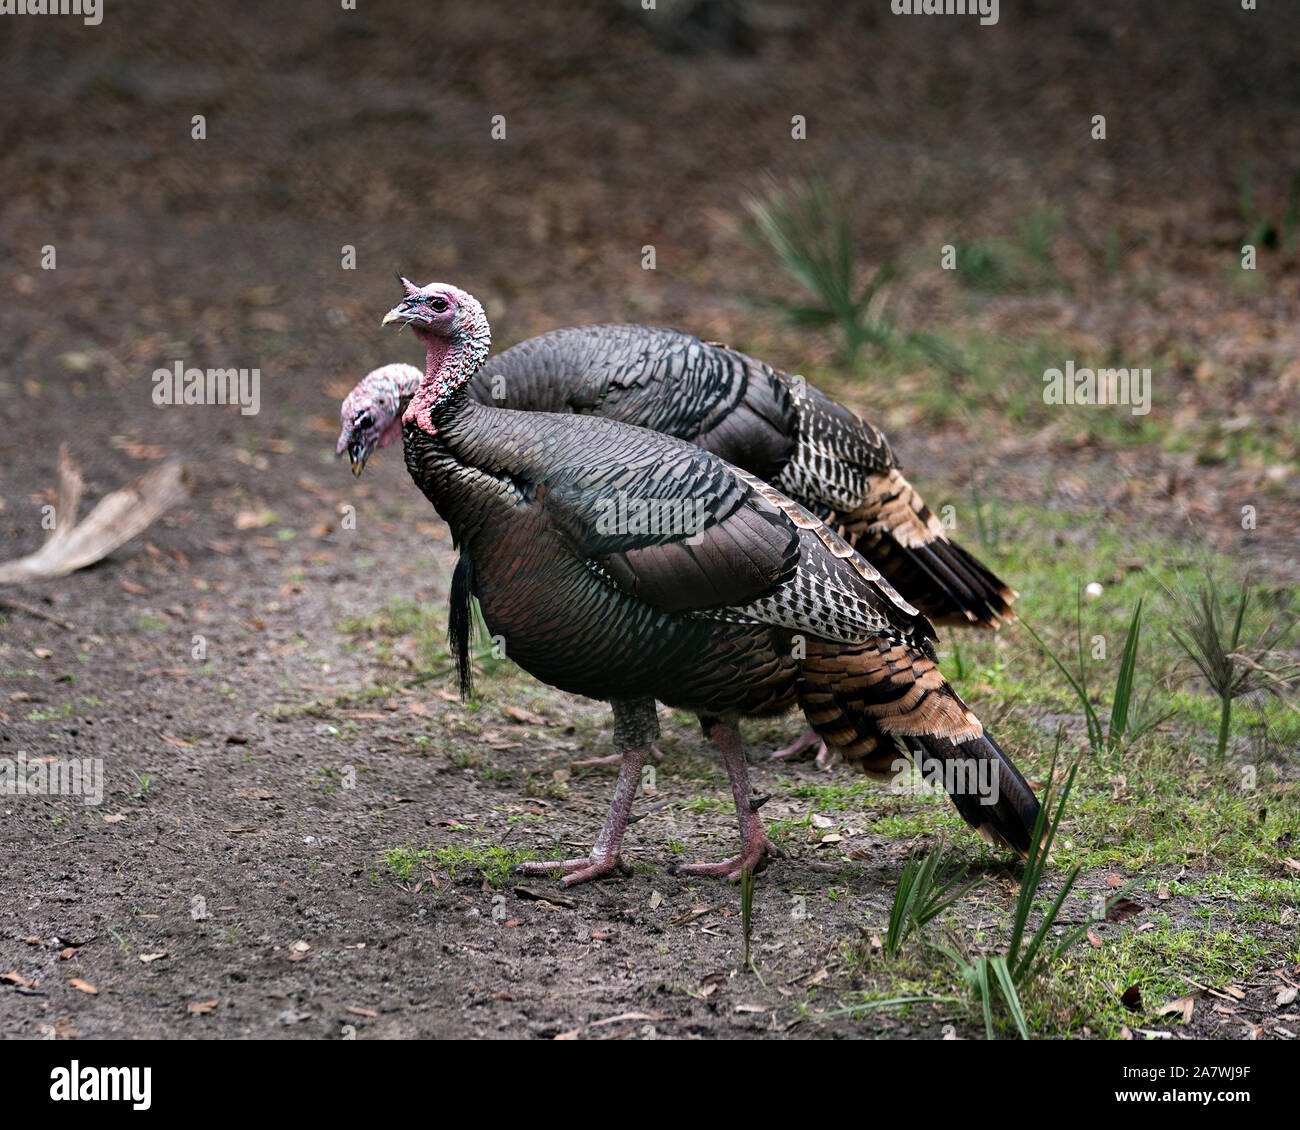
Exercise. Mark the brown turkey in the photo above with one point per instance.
(630, 566)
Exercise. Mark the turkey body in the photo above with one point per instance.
(704, 620)
(548, 587)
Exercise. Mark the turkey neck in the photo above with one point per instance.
(449, 363)
(447, 438)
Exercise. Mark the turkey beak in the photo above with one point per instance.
(403, 313)
(358, 452)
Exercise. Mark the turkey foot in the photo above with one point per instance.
(613, 759)
(756, 849)
(757, 852)
(576, 870)
(804, 741)
(604, 853)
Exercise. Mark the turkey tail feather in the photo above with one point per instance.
(986, 788)
(459, 621)
(895, 530)
(864, 699)
(942, 579)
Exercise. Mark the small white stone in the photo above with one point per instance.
(1093, 591)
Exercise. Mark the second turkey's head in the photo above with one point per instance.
(454, 329)
(371, 415)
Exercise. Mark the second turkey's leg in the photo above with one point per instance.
(806, 740)
(613, 759)
(604, 853)
(755, 848)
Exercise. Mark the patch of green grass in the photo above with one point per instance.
(402, 861)
(838, 795)
(1172, 820)
(1160, 963)
(58, 713)
(489, 861)
(926, 888)
(808, 228)
(1047, 554)
(699, 805)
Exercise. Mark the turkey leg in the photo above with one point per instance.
(804, 741)
(604, 856)
(756, 849)
(614, 759)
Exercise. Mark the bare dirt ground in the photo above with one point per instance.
(234, 881)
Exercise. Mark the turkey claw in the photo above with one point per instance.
(575, 870)
(754, 858)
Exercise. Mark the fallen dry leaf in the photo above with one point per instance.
(519, 714)
(1182, 1006)
(199, 1008)
(14, 976)
(253, 519)
(1122, 909)
(84, 986)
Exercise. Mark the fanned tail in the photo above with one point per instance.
(872, 700)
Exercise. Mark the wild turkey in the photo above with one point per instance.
(728, 600)
(759, 418)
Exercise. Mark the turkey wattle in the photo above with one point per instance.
(735, 601)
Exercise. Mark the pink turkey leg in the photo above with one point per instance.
(613, 759)
(756, 849)
(604, 853)
(804, 741)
